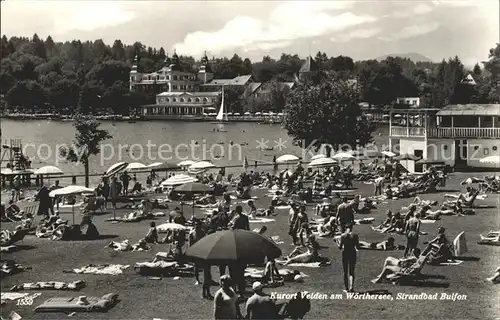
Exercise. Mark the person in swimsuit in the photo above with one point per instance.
(384, 245)
(226, 301)
(349, 244)
(345, 215)
(412, 229)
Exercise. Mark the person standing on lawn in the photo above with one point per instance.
(349, 244)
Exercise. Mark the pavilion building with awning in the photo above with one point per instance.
(458, 135)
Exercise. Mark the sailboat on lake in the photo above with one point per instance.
(221, 115)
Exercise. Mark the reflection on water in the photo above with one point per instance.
(156, 141)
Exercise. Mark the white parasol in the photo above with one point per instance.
(70, 190)
(178, 180)
(202, 165)
(185, 163)
(318, 156)
(165, 227)
(48, 170)
(343, 155)
(322, 162)
(116, 168)
(491, 160)
(388, 154)
(287, 158)
(134, 166)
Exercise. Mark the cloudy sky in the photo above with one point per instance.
(360, 29)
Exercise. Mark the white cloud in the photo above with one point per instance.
(413, 10)
(460, 3)
(288, 21)
(412, 31)
(58, 17)
(356, 34)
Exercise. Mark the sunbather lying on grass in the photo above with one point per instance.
(393, 266)
(311, 255)
(450, 210)
(396, 224)
(383, 245)
(493, 237)
(328, 227)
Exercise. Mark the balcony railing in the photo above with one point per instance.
(407, 131)
(445, 132)
(463, 132)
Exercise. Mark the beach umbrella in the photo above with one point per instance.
(247, 113)
(322, 162)
(491, 160)
(258, 113)
(165, 227)
(135, 166)
(237, 114)
(318, 156)
(193, 188)
(388, 154)
(406, 157)
(343, 155)
(178, 180)
(201, 165)
(162, 166)
(287, 158)
(117, 167)
(229, 246)
(70, 190)
(185, 163)
(48, 170)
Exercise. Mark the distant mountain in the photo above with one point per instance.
(415, 57)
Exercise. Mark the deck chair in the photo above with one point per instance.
(17, 236)
(29, 207)
(470, 203)
(68, 304)
(410, 274)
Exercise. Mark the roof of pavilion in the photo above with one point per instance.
(470, 110)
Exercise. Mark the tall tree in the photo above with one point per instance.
(87, 142)
(327, 113)
(117, 50)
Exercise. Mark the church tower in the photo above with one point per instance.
(134, 76)
(175, 64)
(205, 73)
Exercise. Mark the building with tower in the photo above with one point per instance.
(308, 70)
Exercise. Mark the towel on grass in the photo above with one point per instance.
(112, 269)
(282, 207)
(50, 285)
(427, 221)
(12, 296)
(451, 263)
(305, 265)
(260, 220)
(8, 249)
(65, 206)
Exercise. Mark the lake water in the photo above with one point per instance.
(156, 141)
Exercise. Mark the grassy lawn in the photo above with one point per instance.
(142, 298)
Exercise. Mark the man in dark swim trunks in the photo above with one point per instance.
(349, 244)
(345, 214)
(412, 230)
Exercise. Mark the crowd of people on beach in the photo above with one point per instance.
(335, 213)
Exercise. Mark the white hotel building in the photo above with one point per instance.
(457, 135)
